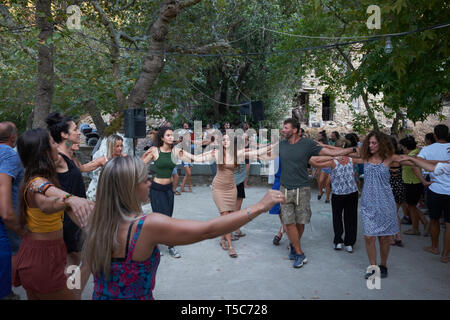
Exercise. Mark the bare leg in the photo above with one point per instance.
(384, 249)
(175, 182)
(228, 235)
(414, 217)
(321, 181)
(371, 249)
(294, 237)
(446, 251)
(238, 207)
(300, 229)
(247, 168)
(188, 177)
(434, 230)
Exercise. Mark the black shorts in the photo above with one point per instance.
(247, 161)
(438, 204)
(240, 190)
(413, 192)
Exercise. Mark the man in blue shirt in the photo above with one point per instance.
(11, 175)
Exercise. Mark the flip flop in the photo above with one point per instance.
(445, 259)
(177, 192)
(232, 253)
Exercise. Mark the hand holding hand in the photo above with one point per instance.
(81, 209)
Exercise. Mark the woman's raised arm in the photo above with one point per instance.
(160, 229)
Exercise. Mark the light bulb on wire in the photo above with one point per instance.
(388, 47)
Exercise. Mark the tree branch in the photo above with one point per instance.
(221, 44)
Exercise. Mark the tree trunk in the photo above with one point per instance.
(154, 61)
(91, 107)
(45, 86)
(370, 113)
(395, 124)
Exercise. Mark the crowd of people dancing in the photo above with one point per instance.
(49, 222)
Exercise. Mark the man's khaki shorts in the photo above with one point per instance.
(297, 209)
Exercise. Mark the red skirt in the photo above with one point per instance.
(40, 265)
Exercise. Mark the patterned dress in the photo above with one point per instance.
(129, 280)
(378, 209)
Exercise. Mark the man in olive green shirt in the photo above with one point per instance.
(295, 153)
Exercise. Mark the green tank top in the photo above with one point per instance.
(163, 165)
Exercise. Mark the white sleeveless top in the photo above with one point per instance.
(343, 179)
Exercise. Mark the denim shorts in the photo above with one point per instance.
(184, 164)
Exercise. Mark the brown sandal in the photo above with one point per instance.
(232, 253)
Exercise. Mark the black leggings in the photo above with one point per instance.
(161, 198)
(347, 203)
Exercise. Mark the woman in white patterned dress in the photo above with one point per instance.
(378, 208)
(114, 147)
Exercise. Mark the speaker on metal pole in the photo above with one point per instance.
(258, 110)
(245, 108)
(135, 123)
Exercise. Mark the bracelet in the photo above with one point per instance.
(40, 188)
(48, 186)
(67, 196)
(248, 214)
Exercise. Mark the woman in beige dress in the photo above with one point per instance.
(223, 186)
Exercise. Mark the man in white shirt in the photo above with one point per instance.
(438, 194)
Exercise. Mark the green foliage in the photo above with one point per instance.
(413, 78)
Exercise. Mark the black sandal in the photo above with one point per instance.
(399, 243)
(276, 240)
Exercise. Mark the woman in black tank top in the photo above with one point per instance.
(66, 133)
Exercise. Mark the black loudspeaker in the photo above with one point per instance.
(258, 110)
(135, 123)
(245, 108)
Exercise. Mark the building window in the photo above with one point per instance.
(327, 112)
(304, 102)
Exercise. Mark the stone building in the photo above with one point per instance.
(333, 114)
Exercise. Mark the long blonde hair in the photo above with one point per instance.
(116, 201)
(110, 144)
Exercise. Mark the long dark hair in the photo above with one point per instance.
(234, 142)
(34, 150)
(161, 132)
(56, 124)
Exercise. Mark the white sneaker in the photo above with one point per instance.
(349, 249)
(338, 246)
(174, 253)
